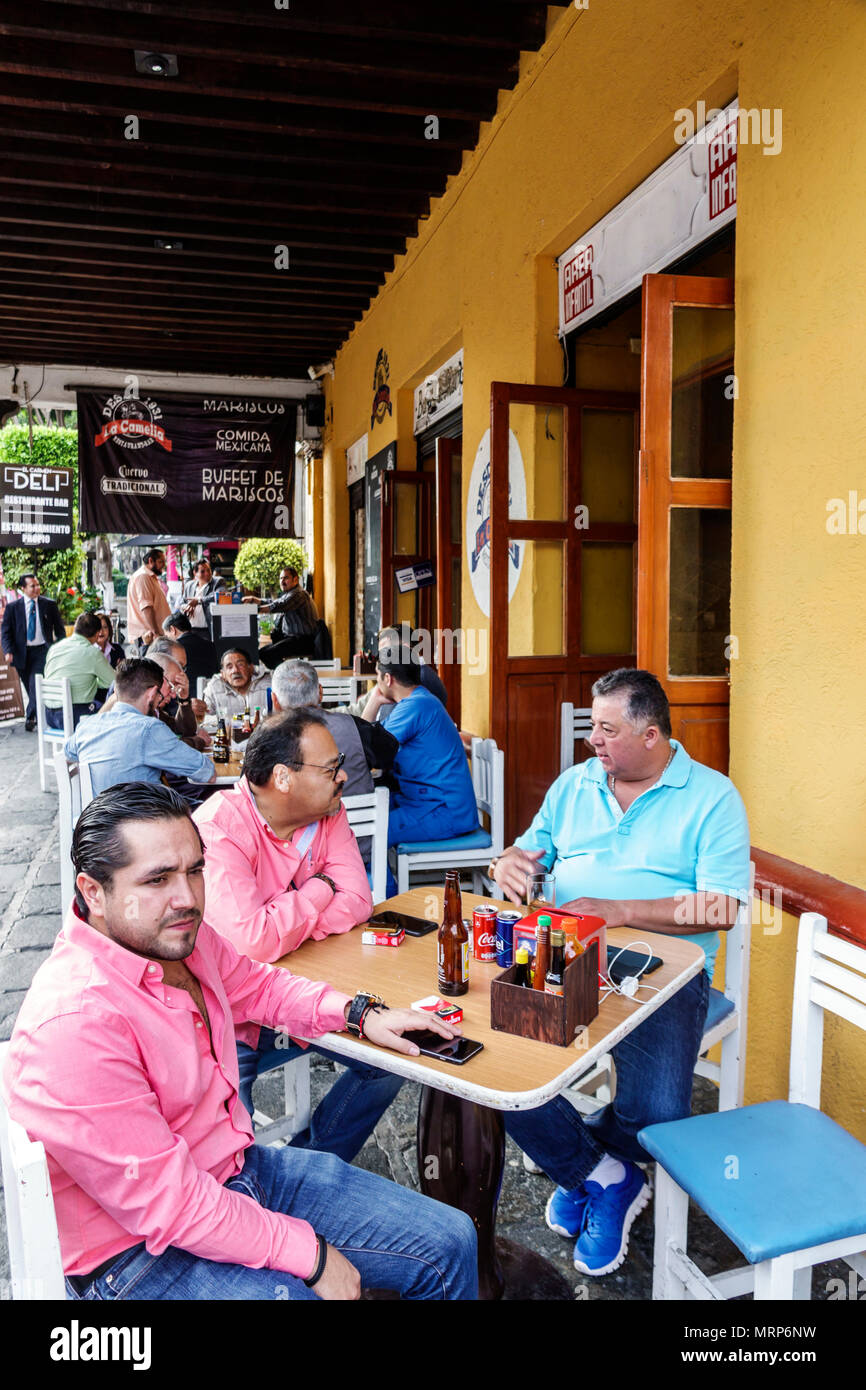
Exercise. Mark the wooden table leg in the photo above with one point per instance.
(461, 1157)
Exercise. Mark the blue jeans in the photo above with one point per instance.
(346, 1117)
(654, 1067)
(394, 1237)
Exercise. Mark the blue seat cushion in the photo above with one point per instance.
(718, 1008)
(774, 1177)
(476, 839)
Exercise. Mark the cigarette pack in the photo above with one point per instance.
(449, 1013)
(381, 937)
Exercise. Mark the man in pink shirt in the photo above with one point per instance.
(283, 867)
(146, 605)
(123, 1064)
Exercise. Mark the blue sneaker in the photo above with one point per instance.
(603, 1241)
(565, 1211)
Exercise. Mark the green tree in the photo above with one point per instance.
(259, 562)
(59, 570)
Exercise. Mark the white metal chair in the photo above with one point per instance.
(75, 791)
(784, 1182)
(475, 850)
(368, 815)
(337, 692)
(574, 726)
(49, 738)
(332, 664)
(31, 1224)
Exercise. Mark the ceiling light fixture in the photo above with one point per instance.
(167, 244)
(155, 64)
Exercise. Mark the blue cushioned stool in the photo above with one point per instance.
(474, 850)
(783, 1181)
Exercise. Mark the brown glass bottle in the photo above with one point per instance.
(453, 940)
(541, 962)
(522, 975)
(221, 742)
(247, 727)
(554, 980)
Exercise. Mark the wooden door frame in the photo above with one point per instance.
(503, 530)
(658, 491)
(446, 552)
(392, 561)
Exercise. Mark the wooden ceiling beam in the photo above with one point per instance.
(375, 91)
(63, 287)
(485, 24)
(185, 269)
(281, 48)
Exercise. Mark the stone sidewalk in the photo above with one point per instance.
(30, 919)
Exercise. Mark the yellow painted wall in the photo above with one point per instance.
(592, 116)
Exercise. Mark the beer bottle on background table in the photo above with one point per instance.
(453, 940)
(247, 727)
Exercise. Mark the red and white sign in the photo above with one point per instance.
(722, 182)
(577, 282)
(685, 201)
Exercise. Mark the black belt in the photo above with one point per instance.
(80, 1282)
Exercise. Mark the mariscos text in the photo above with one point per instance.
(242, 485)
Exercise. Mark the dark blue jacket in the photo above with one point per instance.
(13, 636)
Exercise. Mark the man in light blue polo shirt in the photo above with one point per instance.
(127, 743)
(646, 838)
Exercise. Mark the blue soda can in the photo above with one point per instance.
(505, 938)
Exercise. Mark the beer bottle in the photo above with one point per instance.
(554, 980)
(258, 716)
(453, 940)
(221, 742)
(542, 952)
(246, 727)
(521, 974)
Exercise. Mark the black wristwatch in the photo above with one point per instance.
(358, 1010)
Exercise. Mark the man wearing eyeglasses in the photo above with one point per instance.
(282, 867)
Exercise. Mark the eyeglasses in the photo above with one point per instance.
(333, 768)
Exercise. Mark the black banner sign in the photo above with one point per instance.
(36, 507)
(223, 464)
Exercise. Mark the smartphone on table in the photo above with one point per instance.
(456, 1050)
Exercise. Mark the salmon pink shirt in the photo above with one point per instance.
(261, 891)
(114, 1072)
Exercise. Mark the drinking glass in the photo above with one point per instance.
(540, 891)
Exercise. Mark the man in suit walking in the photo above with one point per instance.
(30, 625)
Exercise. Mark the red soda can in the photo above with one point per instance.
(484, 933)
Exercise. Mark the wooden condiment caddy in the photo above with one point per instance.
(548, 1018)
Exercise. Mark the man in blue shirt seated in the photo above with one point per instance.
(648, 839)
(127, 743)
(436, 799)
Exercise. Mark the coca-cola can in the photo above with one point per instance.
(505, 937)
(484, 933)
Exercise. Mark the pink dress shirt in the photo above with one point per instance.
(249, 870)
(141, 1121)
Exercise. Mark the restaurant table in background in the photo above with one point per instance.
(461, 1138)
(228, 773)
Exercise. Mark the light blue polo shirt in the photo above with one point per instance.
(687, 834)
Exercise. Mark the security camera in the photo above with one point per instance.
(323, 369)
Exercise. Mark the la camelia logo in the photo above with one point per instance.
(132, 423)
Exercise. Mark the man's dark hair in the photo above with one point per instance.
(22, 579)
(178, 620)
(237, 651)
(278, 740)
(152, 554)
(401, 663)
(98, 844)
(87, 625)
(647, 702)
(135, 675)
(198, 564)
(289, 569)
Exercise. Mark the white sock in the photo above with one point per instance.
(607, 1172)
